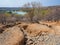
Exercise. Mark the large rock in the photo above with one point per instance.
(12, 36)
(38, 34)
(35, 29)
(56, 29)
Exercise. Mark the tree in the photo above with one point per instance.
(54, 15)
(2, 18)
(35, 10)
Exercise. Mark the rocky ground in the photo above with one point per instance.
(45, 33)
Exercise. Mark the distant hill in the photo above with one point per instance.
(9, 8)
(23, 8)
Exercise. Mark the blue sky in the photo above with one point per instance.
(19, 3)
